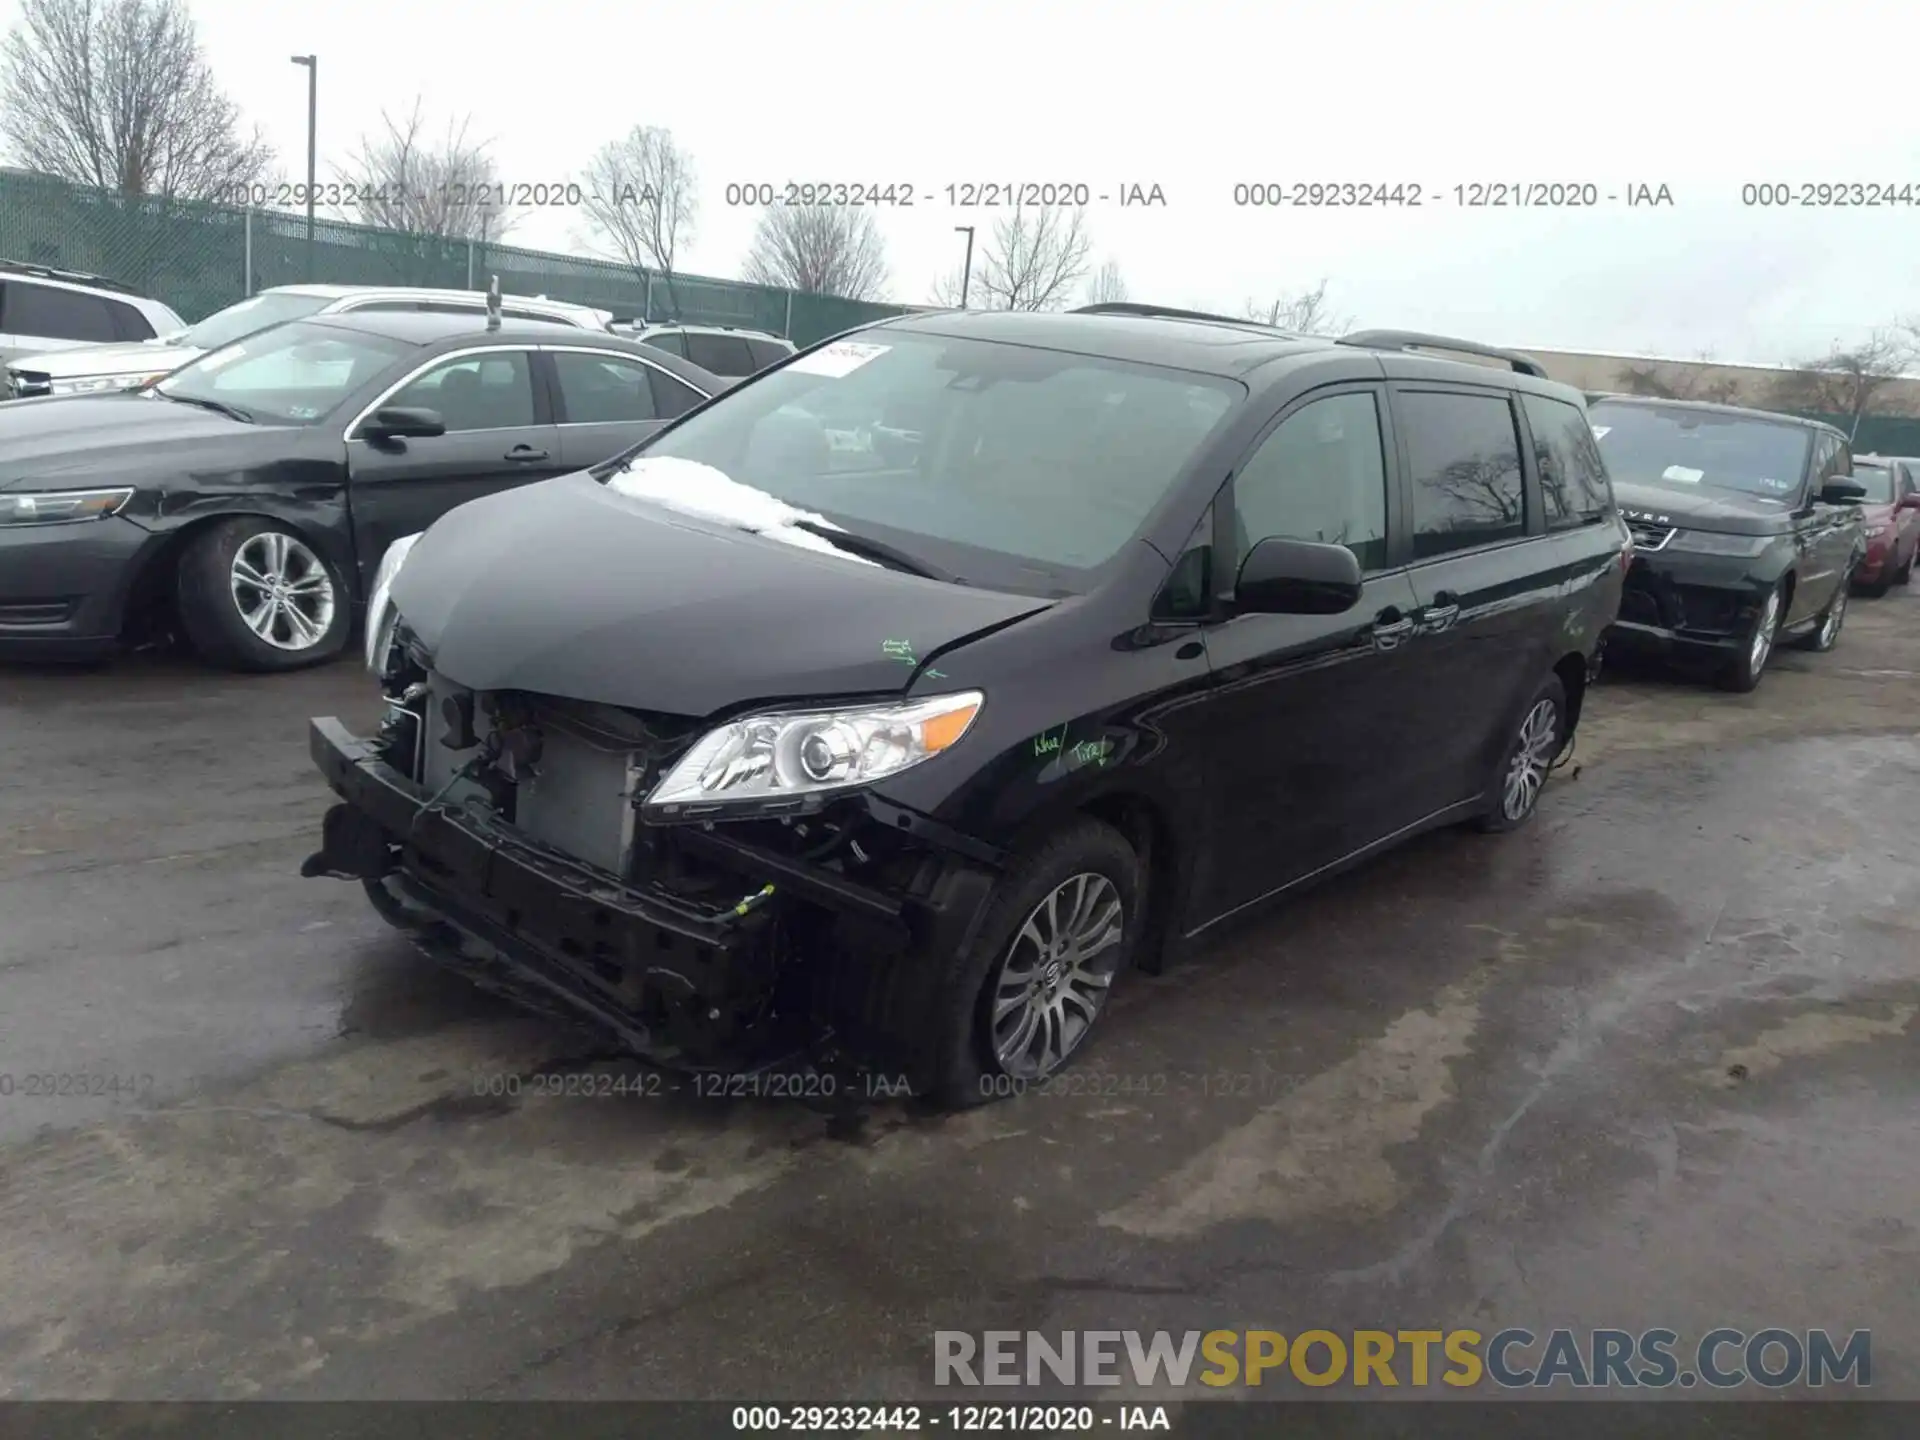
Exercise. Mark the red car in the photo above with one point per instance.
(1891, 510)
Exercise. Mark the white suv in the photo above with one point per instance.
(94, 368)
(46, 310)
(717, 349)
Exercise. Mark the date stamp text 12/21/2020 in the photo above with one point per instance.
(964, 195)
(1474, 195)
(387, 196)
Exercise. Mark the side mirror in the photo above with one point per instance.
(1910, 502)
(403, 422)
(1842, 491)
(1297, 577)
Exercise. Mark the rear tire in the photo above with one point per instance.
(1741, 674)
(1020, 965)
(255, 595)
(1521, 776)
(1826, 633)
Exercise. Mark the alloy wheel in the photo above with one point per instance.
(1836, 612)
(1532, 754)
(1762, 643)
(1053, 982)
(282, 591)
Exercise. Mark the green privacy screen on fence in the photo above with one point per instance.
(196, 258)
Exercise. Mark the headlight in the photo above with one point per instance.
(94, 384)
(382, 614)
(58, 507)
(1873, 530)
(781, 761)
(1712, 542)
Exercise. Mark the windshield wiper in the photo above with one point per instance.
(219, 407)
(871, 549)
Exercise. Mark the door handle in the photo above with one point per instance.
(1390, 627)
(523, 454)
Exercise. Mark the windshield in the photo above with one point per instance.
(292, 375)
(1686, 449)
(236, 322)
(999, 463)
(1876, 480)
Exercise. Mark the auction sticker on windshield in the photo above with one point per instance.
(1683, 474)
(1600, 431)
(837, 360)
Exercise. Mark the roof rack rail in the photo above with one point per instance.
(75, 277)
(1130, 307)
(1414, 340)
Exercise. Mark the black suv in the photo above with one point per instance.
(1116, 624)
(1746, 529)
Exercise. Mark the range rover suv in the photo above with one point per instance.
(1746, 529)
(744, 745)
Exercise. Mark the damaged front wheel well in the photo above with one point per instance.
(1151, 837)
(151, 608)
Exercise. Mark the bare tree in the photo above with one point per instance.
(1692, 380)
(641, 201)
(1305, 313)
(1106, 286)
(1034, 260)
(438, 190)
(118, 94)
(1844, 381)
(820, 250)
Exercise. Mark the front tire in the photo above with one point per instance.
(254, 595)
(1743, 672)
(1905, 572)
(1528, 756)
(1023, 1001)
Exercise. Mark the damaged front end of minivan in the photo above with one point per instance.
(560, 851)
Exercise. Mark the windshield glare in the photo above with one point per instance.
(1687, 449)
(292, 374)
(964, 452)
(236, 322)
(1876, 480)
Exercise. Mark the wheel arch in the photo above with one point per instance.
(150, 606)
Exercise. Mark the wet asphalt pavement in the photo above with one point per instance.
(1650, 1063)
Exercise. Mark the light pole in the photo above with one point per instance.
(966, 273)
(312, 66)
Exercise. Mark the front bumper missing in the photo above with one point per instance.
(478, 895)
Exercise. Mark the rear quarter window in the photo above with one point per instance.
(1574, 489)
(722, 354)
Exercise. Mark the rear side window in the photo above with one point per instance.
(602, 389)
(722, 354)
(128, 323)
(41, 310)
(672, 397)
(767, 352)
(1573, 478)
(1464, 456)
(671, 341)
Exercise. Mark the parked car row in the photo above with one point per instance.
(889, 705)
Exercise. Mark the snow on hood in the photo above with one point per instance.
(691, 488)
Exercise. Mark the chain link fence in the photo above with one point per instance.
(199, 258)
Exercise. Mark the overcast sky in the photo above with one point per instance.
(1194, 98)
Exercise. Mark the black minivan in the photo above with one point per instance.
(893, 704)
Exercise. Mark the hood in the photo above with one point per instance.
(1703, 508)
(566, 588)
(40, 439)
(141, 357)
